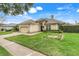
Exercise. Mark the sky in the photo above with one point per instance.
(67, 12)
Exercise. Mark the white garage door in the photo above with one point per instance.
(24, 30)
(34, 28)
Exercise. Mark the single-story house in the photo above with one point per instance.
(5, 27)
(39, 25)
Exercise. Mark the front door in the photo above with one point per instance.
(48, 27)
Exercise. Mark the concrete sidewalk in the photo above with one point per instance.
(17, 49)
(9, 35)
(17, 33)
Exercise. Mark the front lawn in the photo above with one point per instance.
(3, 52)
(3, 33)
(67, 47)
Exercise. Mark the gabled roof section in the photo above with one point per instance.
(27, 22)
(55, 21)
(51, 20)
(41, 20)
(30, 21)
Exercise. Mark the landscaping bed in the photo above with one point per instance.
(69, 46)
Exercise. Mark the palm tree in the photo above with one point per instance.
(14, 8)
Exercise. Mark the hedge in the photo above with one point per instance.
(73, 28)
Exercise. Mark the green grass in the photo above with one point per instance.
(67, 47)
(3, 33)
(3, 52)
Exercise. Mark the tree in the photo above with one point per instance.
(2, 19)
(16, 28)
(14, 8)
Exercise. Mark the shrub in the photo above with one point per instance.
(74, 28)
(16, 28)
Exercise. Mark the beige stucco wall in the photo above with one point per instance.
(29, 28)
(34, 28)
(23, 28)
(54, 27)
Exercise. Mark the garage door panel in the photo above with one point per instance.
(34, 28)
(24, 30)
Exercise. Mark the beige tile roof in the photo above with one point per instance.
(28, 22)
(49, 21)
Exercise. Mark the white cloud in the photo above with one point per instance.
(32, 10)
(77, 10)
(68, 7)
(59, 8)
(39, 8)
(25, 13)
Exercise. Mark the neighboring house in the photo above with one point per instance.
(0, 27)
(5, 27)
(39, 25)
